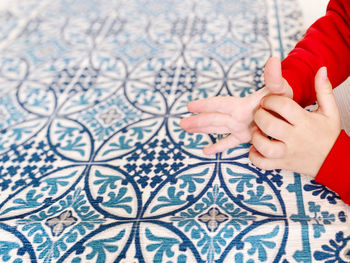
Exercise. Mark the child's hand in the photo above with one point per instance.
(304, 140)
(234, 115)
(223, 115)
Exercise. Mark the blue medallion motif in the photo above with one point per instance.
(94, 166)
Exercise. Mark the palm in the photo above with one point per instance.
(232, 115)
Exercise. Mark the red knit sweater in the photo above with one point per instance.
(326, 43)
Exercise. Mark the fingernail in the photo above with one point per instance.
(323, 73)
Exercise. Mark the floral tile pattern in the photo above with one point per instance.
(93, 164)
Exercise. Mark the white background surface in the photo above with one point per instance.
(312, 9)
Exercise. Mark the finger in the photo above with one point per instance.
(210, 130)
(285, 107)
(214, 104)
(271, 125)
(224, 144)
(205, 120)
(260, 161)
(266, 147)
(274, 80)
(273, 75)
(324, 93)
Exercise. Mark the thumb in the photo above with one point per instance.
(324, 93)
(274, 81)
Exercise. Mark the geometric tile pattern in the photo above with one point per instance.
(93, 164)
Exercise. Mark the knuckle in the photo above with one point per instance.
(286, 106)
(267, 148)
(258, 116)
(256, 140)
(273, 101)
(264, 122)
(254, 137)
(257, 161)
(268, 128)
(270, 99)
(277, 151)
(253, 158)
(260, 146)
(269, 152)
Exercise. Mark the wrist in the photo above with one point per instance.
(325, 152)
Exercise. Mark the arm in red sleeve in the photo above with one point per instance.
(326, 43)
(335, 171)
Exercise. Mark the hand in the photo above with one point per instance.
(303, 139)
(223, 115)
(234, 115)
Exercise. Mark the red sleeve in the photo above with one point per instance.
(335, 171)
(326, 43)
